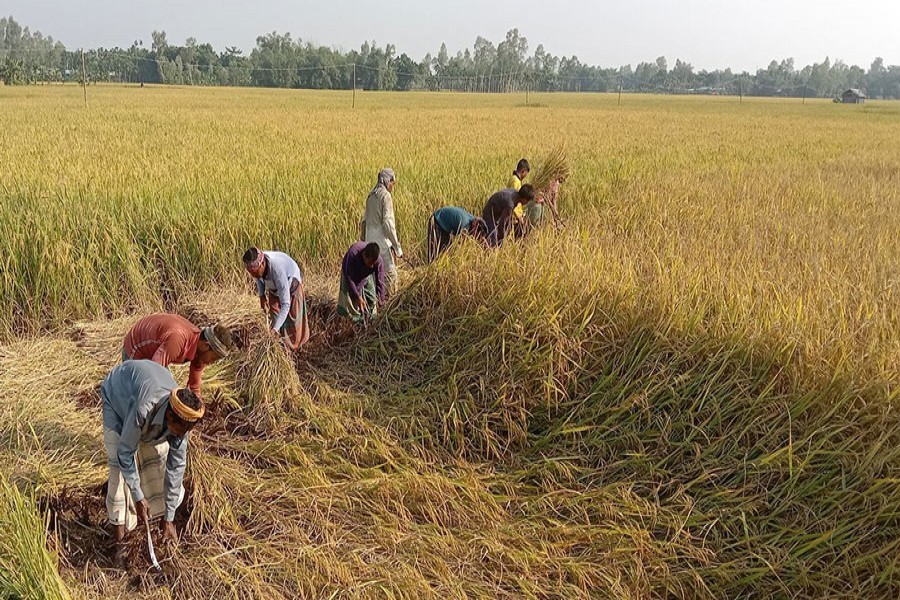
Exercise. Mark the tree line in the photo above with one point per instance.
(279, 60)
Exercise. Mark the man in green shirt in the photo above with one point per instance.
(448, 222)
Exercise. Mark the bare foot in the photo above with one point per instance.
(120, 559)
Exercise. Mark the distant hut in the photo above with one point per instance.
(853, 96)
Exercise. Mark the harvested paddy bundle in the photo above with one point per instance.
(555, 166)
(267, 380)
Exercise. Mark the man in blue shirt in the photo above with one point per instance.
(448, 222)
(146, 422)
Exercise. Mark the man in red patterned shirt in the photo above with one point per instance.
(170, 339)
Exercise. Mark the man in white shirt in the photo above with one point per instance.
(279, 284)
(378, 224)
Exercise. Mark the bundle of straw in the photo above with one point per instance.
(555, 165)
(267, 379)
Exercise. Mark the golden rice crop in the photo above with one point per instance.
(27, 568)
(146, 190)
(731, 425)
(689, 392)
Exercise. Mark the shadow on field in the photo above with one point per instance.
(750, 451)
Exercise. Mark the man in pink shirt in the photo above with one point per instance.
(170, 339)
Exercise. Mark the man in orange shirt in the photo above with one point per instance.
(170, 339)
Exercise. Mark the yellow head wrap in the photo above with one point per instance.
(185, 412)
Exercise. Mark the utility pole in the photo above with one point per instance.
(620, 93)
(83, 77)
(354, 85)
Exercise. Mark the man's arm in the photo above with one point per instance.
(261, 291)
(504, 222)
(352, 289)
(284, 297)
(128, 445)
(176, 461)
(390, 227)
(195, 376)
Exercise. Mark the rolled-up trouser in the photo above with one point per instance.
(151, 463)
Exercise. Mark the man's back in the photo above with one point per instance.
(453, 219)
(499, 207)
(174, 331)
(281, 268)
(377, 204)
(134, 382)
(354, 267)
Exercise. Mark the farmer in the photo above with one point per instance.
(498, 212)
(378, 224)
(362, 282)
(534, 210)
(170, 339)
(515, 182)
(448, 222)
(279, 284)
(146, 421)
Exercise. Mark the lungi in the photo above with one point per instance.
(295, 331)
(390, 269)
(347, 308)
(151, 464)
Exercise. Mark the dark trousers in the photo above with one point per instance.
(438, 240)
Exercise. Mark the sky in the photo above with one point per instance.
(708, 34)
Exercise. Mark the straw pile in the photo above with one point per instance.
(267, 380)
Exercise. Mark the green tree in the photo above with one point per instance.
(12, 72)
(409, 75)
